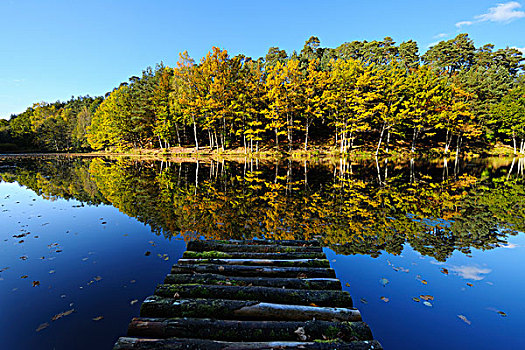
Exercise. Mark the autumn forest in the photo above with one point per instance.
(376, 95)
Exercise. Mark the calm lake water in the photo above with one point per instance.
(432, 253)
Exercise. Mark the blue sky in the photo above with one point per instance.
(51, 50)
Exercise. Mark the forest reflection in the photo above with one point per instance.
(355, 207)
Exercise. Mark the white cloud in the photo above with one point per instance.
(440, 35)
(471, 272)
(464, 23)
(502, 13)
(522, 49)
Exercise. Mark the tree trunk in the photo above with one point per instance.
(252, 255)
(259, 262)
(155, 306)
(128, 343)
(380, 139)
(233, 330)
(414, 138)
(195, 133)
(225, 246)
(290, 283)
(514, 142)
(306, 137)
(258, 271)
(332, 298)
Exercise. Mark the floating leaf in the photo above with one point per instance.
(98, 278)
(347, 284)
(24, 257)
(98, 318)
(502, 314)
(444, 270)
(51, 271)
(416, 299)
(464, 319)
(426, 303)
(36, 283)
(134, 301)
(469, 284)
(424, 281)
(42, 326)
(426, 297)
(24, 276)
(385, 299)
(383, 281)
(62, 314)
(147, 253)
(363, 300)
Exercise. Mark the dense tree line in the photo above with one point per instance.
(360, 93)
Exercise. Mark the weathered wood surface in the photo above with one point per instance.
(263, 271)
(288, 283)
(204, 246)
(284, 242)
(240, 294)
(259, 262)
(252, 255)
(255, 331)
(127, 343)
(156, 306)
(334, 298)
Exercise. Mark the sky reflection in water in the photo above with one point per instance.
(101, 261)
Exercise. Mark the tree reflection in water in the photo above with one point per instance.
(355, 207)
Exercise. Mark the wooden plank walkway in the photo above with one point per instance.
(256, 294)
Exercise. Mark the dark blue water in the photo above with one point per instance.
(78, 270)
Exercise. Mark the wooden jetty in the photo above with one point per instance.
(249, 294)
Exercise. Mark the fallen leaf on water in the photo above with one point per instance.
(103, 222)
(147, 253)
(36, 283)
(98, 278)
(42, 326)
(424, 282)
(23, 257)
(426, 303)
(62, 314)
(311, 304)
(383, 281)
(445, 271)
(24, 276)
(464, 319)
(502, 314)
(98, 318)
(469, 284)
(385, 299)
(416, 299)
(3, 269)
(363, 300)
(426, 297)
(347, 284)
(134, 301)
(51, 271)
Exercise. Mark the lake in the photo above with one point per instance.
(431, 251)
